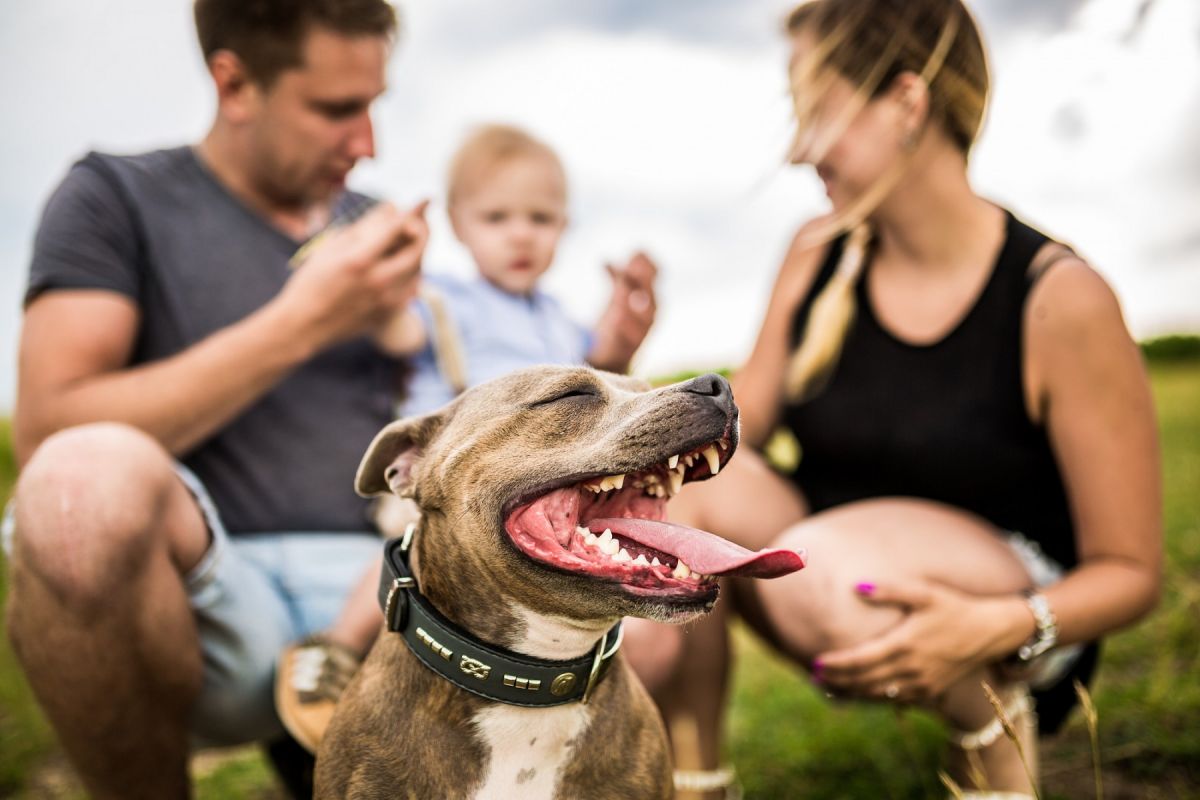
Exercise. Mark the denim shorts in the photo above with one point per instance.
(253, 594)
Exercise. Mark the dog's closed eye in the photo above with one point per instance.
(577, 393)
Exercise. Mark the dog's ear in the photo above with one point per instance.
(392, 456)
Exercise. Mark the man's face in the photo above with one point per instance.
(312, 124)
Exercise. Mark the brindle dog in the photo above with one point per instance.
(516, 479)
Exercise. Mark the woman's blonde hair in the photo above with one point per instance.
(491, 146)
(869, 43)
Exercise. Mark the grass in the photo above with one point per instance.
(787, 740)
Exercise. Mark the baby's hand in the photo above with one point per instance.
(637, 279)
(629, 316)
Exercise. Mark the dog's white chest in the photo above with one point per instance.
(528, 748)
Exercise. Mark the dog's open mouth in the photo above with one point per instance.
(613, 527)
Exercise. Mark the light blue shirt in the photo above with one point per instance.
(500, 332)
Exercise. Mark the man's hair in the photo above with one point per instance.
(268, 35)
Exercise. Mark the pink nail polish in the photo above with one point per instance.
(864, 588)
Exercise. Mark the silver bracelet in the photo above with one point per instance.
(1046, 634)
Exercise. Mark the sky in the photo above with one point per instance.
(671, 119)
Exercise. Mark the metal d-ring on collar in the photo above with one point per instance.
(482, 669)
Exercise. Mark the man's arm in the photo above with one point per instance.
(76, 345)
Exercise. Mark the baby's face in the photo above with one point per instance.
(510, 219)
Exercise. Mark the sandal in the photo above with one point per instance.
(709, 780)
(309, 680)
(1019, 711)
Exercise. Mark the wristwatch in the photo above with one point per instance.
(1046, 634)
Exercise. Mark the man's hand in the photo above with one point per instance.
(357, 276)
(629, 315)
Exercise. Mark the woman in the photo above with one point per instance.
(978, 490)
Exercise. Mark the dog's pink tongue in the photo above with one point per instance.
(703, 552)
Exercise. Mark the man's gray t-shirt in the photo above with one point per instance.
(158, 228)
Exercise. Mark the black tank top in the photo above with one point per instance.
(944, 421)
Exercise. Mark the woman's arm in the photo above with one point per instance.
(758, 385)
(1086, 378)
(1085, 381)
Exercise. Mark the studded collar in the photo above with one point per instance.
(482, 669)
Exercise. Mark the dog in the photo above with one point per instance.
(543, 503)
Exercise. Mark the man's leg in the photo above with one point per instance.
(98, 613)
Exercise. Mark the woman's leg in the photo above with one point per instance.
(687, 669)
(818, 609)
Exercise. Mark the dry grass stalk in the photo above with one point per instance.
(953, 788)
(1011, 732)
(975, 770)
(1092, 718)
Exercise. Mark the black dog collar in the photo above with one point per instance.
(468, 663)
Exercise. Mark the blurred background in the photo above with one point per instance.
(672, 118)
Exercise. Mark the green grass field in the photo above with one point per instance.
(787, 741)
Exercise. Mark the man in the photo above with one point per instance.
(172, 367)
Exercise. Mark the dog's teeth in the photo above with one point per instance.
(618, 481)
(672, 461)
(640, 560)
(681, 571)
(723, 444)
(676, 479)
(654, 562)
(713, 459)
(590, 539)
(581, 530)
(623, 556)
(608, 543)
(689, 459)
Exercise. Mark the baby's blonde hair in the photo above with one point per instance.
(869, 43)
(491, 146)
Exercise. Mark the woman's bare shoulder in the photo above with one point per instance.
(1071, 300)
(805, 254)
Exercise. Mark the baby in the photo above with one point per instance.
(507, 202)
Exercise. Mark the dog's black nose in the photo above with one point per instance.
(711, 385)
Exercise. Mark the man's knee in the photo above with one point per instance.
(88, 506)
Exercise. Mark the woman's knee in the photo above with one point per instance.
(819, 608)
(87, 507)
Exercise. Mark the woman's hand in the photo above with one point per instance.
(942, 636)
